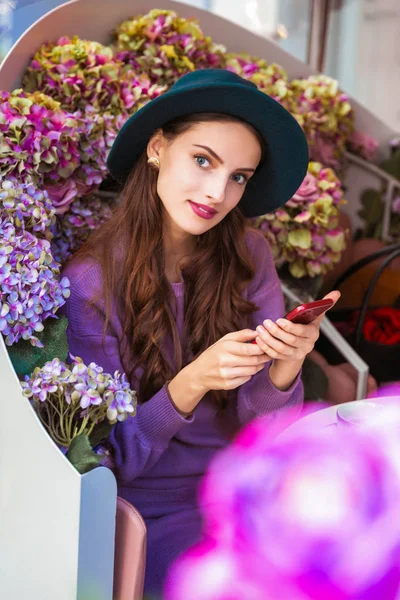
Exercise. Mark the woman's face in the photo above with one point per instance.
(208, 165)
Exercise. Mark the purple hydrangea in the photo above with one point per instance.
(74, 227)
(26, 206)
(97, 134)
(72, 399)
(30, 286)
(119, 398)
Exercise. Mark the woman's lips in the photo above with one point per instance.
(205, 212)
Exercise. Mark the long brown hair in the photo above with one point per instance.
(129, 249)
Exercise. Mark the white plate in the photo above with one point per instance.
(358, 412)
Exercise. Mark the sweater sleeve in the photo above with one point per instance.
(259, 396)
(137, 443)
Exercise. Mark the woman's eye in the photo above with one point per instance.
(240, 179)
(202, 161)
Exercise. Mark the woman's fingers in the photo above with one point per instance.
(278, 348)
(308, 332)
(245, 360)
(236, 382)
(296, 329)
(229, 373)
(276, 331)
(275, 348)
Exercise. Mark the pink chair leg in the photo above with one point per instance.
(130, 553)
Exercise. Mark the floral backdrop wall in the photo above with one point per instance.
(56, 132)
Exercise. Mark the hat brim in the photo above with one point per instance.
(279, 175)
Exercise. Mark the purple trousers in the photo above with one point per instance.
(173, 524)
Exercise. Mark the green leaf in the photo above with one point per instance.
(81, 455)
(100, 432)
(25, 357)
(373, 207)
(392, 164)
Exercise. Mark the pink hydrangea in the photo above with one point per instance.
(269, 78)
(307, 192)
(325, 114)
(396, 205)
(164, 46)
(306, 516)
(62, 153)
(304, 234)
(80, 73)
(364, 145)
(39, 141)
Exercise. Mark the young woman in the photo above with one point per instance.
(174, 286)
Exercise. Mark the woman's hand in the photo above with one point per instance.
(288, 344)
(225, 365)
(229, 362)
(289, 341)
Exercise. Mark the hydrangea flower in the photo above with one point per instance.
(97, 134)
(62, 153)
(364, 145)
(165, 46)
(30, 287)
(307, 516)
(72, 399)
(325, 114)
(322, 110)
(73, 228)
(269, 78)
(396, 205)
(38, 141)
(26, 207)
(81, 73)
(305, 233)
(394, 144)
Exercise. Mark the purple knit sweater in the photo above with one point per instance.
(159, 454)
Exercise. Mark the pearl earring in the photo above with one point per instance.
(154, 162)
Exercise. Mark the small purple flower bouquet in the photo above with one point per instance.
(79, 405)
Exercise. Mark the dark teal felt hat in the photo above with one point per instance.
(285, 164)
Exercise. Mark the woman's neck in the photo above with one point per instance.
(176, 247)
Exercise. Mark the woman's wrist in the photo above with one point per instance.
(184, 391)
(282, 373)
(181, 412)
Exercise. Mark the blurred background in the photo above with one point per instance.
(354, 41)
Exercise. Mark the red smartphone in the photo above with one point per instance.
(306, 313)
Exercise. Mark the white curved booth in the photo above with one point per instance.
(57, 527)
